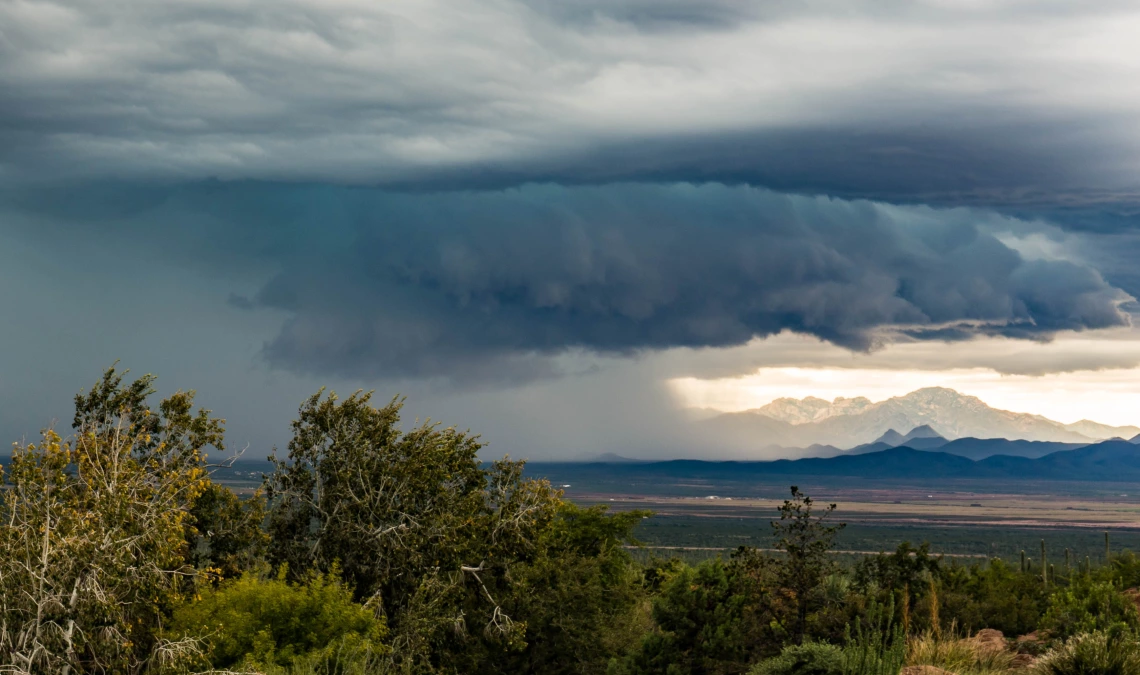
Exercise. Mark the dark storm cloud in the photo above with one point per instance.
(1020, 166)
(494, 285)
(651, 14)
(1010, 105)
(452, 280)
(633, 116)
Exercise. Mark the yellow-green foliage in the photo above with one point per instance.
(273, 622)
(1114, 652)
(270, 622)
(92, 537)
(960, 656)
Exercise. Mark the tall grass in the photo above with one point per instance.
(1113, 652)
(344, 658)
(963, 656)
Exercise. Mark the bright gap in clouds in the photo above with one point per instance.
(1106, 396)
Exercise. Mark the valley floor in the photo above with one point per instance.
(698, 519)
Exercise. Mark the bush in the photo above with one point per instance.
(1114, 652)
(1088, 606)
(964, 657)
(347, 657)
(810, 658)
(991, 595)
(708, 620)
(258, 622)
(875, 643)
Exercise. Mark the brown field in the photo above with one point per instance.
(909, 506)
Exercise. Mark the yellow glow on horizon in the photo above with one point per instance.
(1106, 396)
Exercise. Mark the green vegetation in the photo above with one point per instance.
(697, 537)
(810, 658)
(253, 622)
(369, 548)
(1090, 605)
(1100, 653)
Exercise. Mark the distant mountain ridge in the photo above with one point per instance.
(850, 422)
(613, 458)
(1107, 461)
(924, 433)
(812, 409)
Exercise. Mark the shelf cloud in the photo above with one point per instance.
(475, 285)
(500, 194)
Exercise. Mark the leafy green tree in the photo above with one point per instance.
(224, 532)
(806, 539)
(100, 535)
(580, 594)
(710, 619)
(576, 596)
(419, 527)
(722, 616)
(225, 536)
(174, 435)
(906, 568)
(700, 618)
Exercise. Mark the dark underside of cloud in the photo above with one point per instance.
(490, 285)
(996, 161)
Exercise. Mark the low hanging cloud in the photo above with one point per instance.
(495, 284)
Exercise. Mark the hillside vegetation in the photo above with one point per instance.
(374, 549)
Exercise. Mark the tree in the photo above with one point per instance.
(806, 540)
(92, 553)
(702, 627)
(715, 618)
(420, 529)
(580, 595)
(98, 533)
(223, 533)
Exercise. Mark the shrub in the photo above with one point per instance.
(1113, 652)
(346, 657)
(961, 656)
(810, 658)
(1088, 606)
(991, 595)
(260, 622)
(875, 644)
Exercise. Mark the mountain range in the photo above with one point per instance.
(1106, 461)
(854, 422)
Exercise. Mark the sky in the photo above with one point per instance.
(570, 227)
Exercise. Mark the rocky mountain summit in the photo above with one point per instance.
(937, 411)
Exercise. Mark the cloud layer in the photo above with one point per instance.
(492, 285)
(437, 284)
(502, 190)
(1003, 103)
